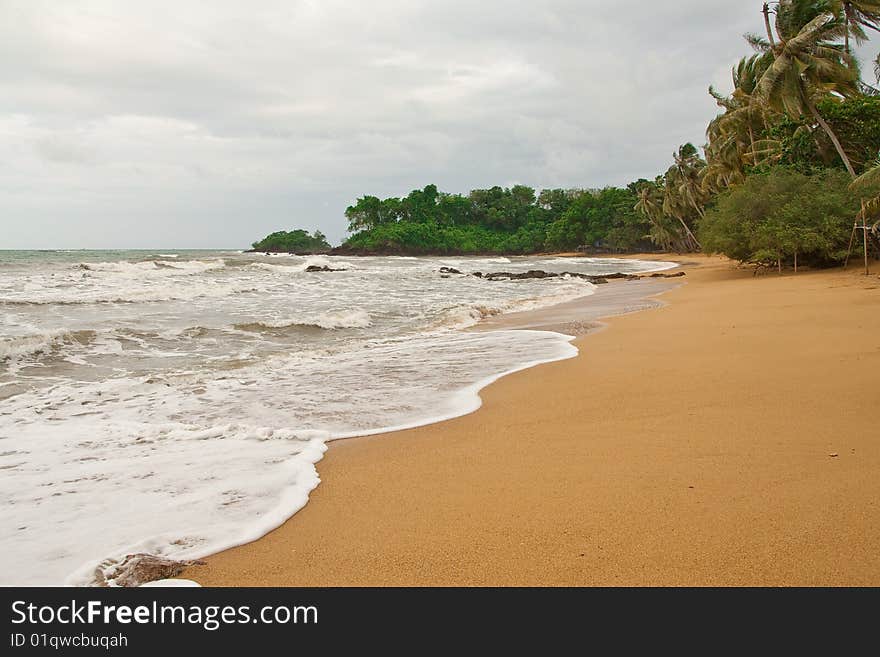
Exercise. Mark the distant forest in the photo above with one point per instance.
(498, 220)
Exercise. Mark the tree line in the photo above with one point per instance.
(786, 167)
(517, 219)
(793, 152)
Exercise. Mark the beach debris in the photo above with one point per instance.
(314, 268)
(135, 569)
(833, 455)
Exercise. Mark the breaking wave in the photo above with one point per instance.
(339, 320)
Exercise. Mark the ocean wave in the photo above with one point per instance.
(153, 267)
(24, 346)
(149, 294)
(357, 318)
(296, 267)
(466, 315)
(224, 433)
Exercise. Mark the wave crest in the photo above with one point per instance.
(349, 319)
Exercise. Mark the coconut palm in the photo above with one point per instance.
(869, 181)
(663, 230)
(735, 130)
(805, 65)
(683, 190)
(858, 15)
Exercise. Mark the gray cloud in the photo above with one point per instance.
(210, 124)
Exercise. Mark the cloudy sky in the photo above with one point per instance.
(209, 124)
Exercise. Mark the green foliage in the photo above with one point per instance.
(856, 121)
(782, 212)
(770, 184)
(496, 220)
(294, 241)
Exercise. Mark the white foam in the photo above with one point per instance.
(122, 282)
(224, 438)
(357, 318)
(171, 583)
(301, 264)
(28, 345)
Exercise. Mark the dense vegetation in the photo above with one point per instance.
(783, 215)
(294, 241)
(496, 220)
(787, 165)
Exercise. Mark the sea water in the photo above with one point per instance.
(176, 402)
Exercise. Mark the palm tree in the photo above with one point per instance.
(859, 14)
(732, 134)
(688, 164)
(683, 190)
(807, 64)
(869, 181)
(650, 204)
(766, 11)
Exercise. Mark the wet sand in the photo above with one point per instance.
(729, 437)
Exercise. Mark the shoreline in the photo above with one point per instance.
(394, 508)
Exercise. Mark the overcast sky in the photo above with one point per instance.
(209, 124)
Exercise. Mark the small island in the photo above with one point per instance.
(293, 241)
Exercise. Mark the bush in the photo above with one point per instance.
(783, 214)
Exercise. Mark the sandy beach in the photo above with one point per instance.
(729, 437)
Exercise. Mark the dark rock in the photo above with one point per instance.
(627, 277)
(313, 268)
(449, 270)
(136, 569)
(478, 274)
(660, 274)
(532, 273)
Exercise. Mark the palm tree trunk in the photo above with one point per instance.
(691, 237)
(846, 29)
(833, 137)
(752, 141)
(766, 12)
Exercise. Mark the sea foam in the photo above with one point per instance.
(164, 402)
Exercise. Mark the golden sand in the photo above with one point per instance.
(729, 438)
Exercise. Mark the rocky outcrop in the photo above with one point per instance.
(540, 273)
(314, 268)
(138, 568)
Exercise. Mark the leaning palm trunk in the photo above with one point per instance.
(831, 135)
(803, 62)
(766, 12)
(690, 240)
